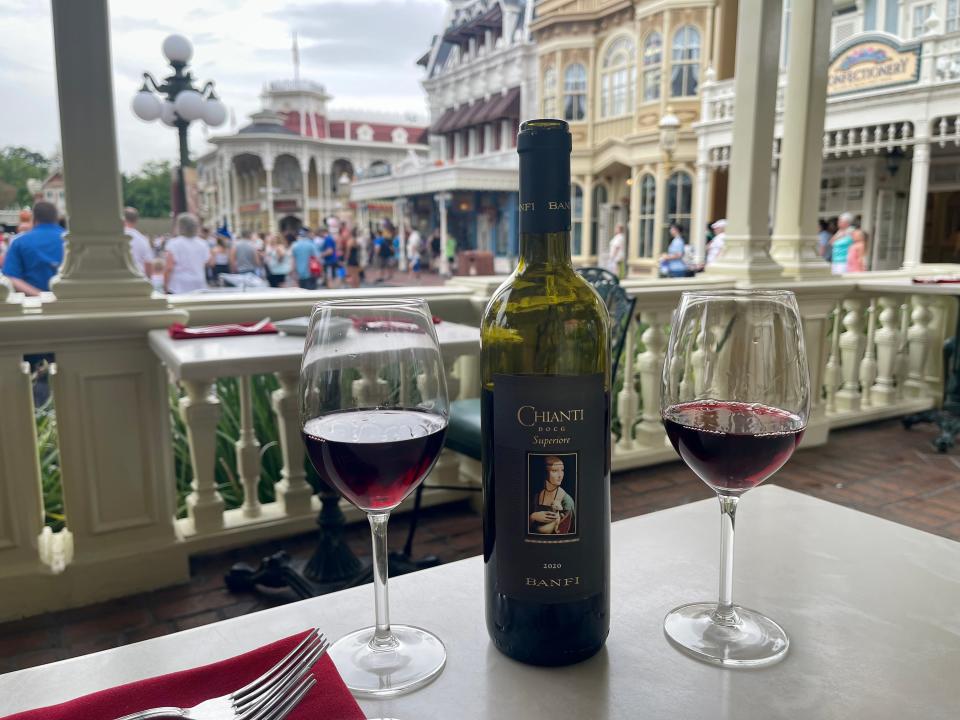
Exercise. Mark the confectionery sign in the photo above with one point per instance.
(871, 63)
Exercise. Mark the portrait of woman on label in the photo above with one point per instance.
(552, 485)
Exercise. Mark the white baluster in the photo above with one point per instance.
(918, 339)
(248, 452)
(697, 360)
(293, 490)
(628, 402)
(887, 339)
(650, 367)
(447, 469)
(369, 390)
(868, 366)
(900, 369)
(831, 374)
(851, 348)
(200, 412)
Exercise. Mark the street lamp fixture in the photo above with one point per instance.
(177, 103)
(669, 126)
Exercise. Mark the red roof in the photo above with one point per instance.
(382, 132)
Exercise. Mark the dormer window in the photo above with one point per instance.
(365, 133)
(399, 136)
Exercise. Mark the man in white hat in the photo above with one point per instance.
(716, 245)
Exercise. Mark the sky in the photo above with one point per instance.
(363, 51)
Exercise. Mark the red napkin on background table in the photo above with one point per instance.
(179, 331)
(329, 699)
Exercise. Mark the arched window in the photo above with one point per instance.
(575, 92)
(652, 64)
(679, 202)
(617, 78)
(599, 202)
(550, 92)
(684, 75)
(648, 204)
(576, 217)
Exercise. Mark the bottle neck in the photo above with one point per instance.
(550, 249)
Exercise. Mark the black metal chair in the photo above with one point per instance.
(463, 428)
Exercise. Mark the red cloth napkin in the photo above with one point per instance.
(179, 331)
(329, 699)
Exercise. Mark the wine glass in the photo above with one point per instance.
(735, 400)
(373, 411)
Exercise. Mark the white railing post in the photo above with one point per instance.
(900, 369)
(650, 366)
(868, 366)
(200, 412)
(627, 399)
(851, 347)
(918, 338)
(887, 339)
(293, 490)
(248, 452)
(831, 375)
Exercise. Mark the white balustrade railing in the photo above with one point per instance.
(877, 355)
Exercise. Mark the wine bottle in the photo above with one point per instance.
(545, 375)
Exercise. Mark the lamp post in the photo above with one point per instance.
(182, 103)
(669, 126)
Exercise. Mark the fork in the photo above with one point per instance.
(270, 697)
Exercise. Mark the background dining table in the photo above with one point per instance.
(872, 609)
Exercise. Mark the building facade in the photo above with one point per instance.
(891, 135)
(480, 82)
(627, 77)
(296, 160)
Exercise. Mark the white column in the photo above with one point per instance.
(586, 235)
(234, 201)
(916, 212)
(794, 244)
(755, 83)
(634, 244)
(441, 200)
(699, 230)
(306, 195)
(97, 268)
(271, 218)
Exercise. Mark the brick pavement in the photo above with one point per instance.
(880, 469)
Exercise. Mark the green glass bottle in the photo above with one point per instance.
(545, 373)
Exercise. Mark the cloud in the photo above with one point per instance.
(363, 51)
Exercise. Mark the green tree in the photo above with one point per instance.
(148, 190)
(19, 164)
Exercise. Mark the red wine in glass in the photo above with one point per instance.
(732, 446)
(375, 458)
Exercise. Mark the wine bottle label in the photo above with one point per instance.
(551, 500)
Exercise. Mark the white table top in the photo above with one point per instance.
(205, 358)
(872, 608)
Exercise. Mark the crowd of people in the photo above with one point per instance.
(842, 242)
(194, 257)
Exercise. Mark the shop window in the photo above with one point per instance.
(919, 16)
(550, 92)
(617, 78)
(599, 203)
(652, 65)
(685, 69)
(679, 203)
(575, 92)
(576, 217)
(953, 16)
(648, 204)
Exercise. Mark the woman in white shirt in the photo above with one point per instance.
(187, 256)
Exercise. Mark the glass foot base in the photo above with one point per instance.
(415, 659)
(753, 640)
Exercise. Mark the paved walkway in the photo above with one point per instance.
(880, 469)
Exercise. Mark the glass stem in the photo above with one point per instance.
(725, 613)
(383, 638)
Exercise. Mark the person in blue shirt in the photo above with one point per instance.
(672, 260)
(35, 256)
(328, 251)
(302, 250)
